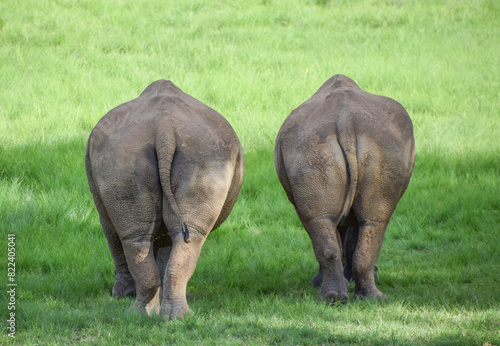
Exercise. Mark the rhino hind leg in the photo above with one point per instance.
(326, 240)
(133, 251)
(162, 255)
(369, 243)
(182, 263)
(140, 255)
(124, 284)
(318, 279)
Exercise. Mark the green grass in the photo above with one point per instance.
(65, 63)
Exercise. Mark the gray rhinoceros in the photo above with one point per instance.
(344, 158)
(164, 170)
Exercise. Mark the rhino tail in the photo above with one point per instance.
(165, 150)
(347, 141)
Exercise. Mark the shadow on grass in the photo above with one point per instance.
(60, 248)
(262, 248)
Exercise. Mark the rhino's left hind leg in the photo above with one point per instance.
(326, 245)
(138, 249)
(124, 285)
(370, 237)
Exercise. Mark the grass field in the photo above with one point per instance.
(65, 63)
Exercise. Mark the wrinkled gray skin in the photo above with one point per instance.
(344, 158)
(157, 165)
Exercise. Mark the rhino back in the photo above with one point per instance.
(160, 109)
(336, 105)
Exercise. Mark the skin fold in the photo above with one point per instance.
(344, 158)
(164, 171)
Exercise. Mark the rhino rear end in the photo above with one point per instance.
(345, 158)
(164, 170)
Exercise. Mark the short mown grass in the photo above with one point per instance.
(65, 63)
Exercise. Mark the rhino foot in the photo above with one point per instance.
(174, 310)
(124, 286)
(369, 294)
(334, 297)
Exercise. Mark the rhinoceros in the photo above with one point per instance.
(344, 158)
(164, 171)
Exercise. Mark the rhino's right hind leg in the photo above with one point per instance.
(182, 263)
(370, 237)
